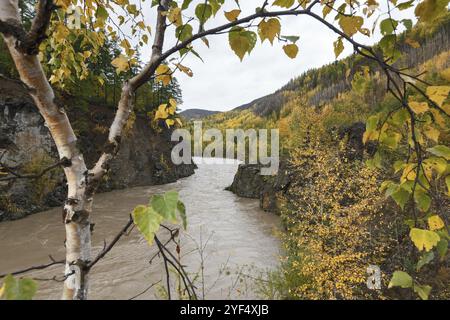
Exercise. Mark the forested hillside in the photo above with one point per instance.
(338, 218)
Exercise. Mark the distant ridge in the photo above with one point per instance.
(193, 114)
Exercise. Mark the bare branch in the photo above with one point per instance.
(64, 162)
(108, 248)
(40, 267)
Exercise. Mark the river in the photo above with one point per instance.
(239, 241)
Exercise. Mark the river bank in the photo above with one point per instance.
(237, 236)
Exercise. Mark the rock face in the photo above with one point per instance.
(27, 147)
(249, 183)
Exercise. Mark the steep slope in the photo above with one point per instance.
(193, 114)
(27, 147)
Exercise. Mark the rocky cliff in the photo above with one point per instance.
(248, 182)
(27, 147)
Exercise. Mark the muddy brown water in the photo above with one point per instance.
(239, 241)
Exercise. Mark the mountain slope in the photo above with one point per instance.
(194, 114)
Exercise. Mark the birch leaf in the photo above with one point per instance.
(148, 222)
(203, 12)
(338, 47)
(440, 151)
(351, 24)
(422, 291)
(284, 3)
(121, 64)
(241, 41)
(269, 29)
(232, 15)
(166, 205)
(424, 239)
(291, 50)
(435, 222)
(401, 279)
(161, 113)
(438, 94)
(418, 107)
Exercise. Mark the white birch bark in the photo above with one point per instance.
(82, 183)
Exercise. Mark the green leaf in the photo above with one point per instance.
(407, 23)
(185, 4)
(422, 199)
(442, 248)
(400, 117)
(405, 5)
(400, 197)
(101, 13)
(440, 151)
(424, 239)
(203, 12)
(166, 205)
(241, 41)
(184, 32)
(388, 26)
(426, 258)
(400, 279)
(18, 289)
(422, 291)
(148, 222)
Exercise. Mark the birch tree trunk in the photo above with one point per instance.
(82, 183)
(77, 207)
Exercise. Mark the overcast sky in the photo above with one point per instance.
(222, 82)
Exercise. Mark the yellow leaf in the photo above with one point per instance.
(435, 222)
(438, 94)
(170, 122)
(432, 133)
(418, 107)
(121, 64)
(161, 113)
(2, 290)
(173, 102)
(351, 24)
(438, 118)
(291, 50)
(232, 15)
(424, 239)
(284, 3)
(163, 74)
(175, 17)
(338, 47)
(269, 29)
(171, 109)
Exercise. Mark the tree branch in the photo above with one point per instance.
(39, 27)
(64, 162)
